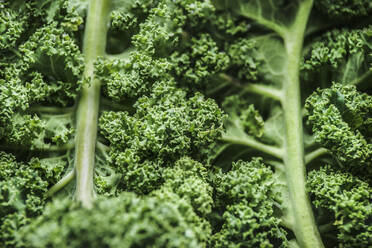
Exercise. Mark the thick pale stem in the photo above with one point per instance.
(305, 228)
(87, 113)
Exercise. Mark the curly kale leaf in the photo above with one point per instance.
(340, 117)
(341, 55)
(248, 191)
(22, 192)
(162, 220)
(160, 44)
(12, 25)
(47, 71)
(132, 78)
(342, 9)
(243, 56)
(243, 115)
(188, 179)
(349, 202)
(199, 59)
(166, 126)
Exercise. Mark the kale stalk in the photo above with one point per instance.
(88, 106)
(305, 228)
(278, 54)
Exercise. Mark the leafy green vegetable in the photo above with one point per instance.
(341, 121)
(123, 221)
(287, 50)
(348, 200)
(344, 8)
(185, 123)
(22, 191)
(248, 193)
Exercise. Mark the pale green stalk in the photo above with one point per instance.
(88, 105)
(305, 229)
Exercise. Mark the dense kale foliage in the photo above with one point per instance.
(42, 65)
(346, 201)
(247, 192)
(166, 126)
(220, 123)
(344, 8)
(22, 191)
(341, 120)
(164, 220)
